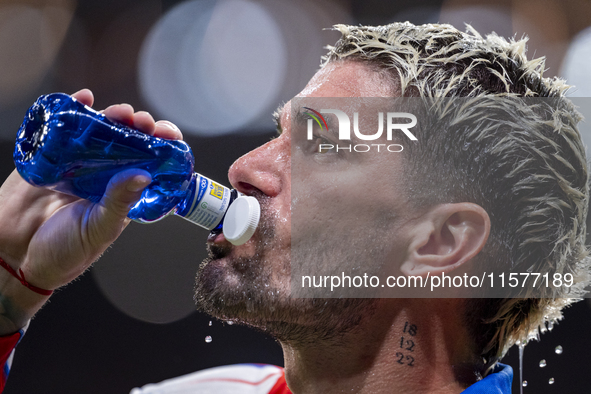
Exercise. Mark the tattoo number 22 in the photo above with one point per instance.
(409, 359)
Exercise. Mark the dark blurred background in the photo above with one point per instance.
(218, 69)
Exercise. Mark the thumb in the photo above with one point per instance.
(123, 191)
(108, 218)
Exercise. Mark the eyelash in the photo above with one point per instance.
(316, 142)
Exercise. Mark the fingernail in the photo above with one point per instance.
(169, 125)
(138, 183)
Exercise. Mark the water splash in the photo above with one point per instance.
(521, 345)
(543, 329)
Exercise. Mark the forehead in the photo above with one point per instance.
(350, 79)
(347, 78)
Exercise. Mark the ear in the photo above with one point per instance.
(447, 236)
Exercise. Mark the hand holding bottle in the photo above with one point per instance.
(67, 146)
(54, 237)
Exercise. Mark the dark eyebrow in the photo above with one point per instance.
(301, 118)
(277, 118)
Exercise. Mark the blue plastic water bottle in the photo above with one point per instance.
(69, 147)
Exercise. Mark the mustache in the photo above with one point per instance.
(215, 252)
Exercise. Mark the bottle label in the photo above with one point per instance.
(210, 204)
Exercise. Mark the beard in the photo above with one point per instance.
(255, 291)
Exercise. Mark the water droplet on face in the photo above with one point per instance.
(551, 381)
(524, 384)
(542, 363)
(210, 323)
(558, 349)
(208, 339)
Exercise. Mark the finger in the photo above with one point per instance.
(108, 218)
(144, 122)
(120, 113)
(85, 96)
(123, 191)
(167, 130)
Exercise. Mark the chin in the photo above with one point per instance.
(242, 290)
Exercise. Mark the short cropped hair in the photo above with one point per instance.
(529, 173)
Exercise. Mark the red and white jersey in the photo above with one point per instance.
(235, 379)
(7, 345)
(231, 379)
(243, 378)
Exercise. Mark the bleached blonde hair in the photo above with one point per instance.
(523, 161)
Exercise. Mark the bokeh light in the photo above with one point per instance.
(215, 67)
(212, 67)
(484, 18)
(30, 38)
(149, 275)
(575, 67)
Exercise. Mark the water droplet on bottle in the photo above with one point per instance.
(210, 323)
(558, 349)
(524, 384)
(208, 339)
(542, 363)
(551, 381)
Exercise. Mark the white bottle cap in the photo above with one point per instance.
(242, 219)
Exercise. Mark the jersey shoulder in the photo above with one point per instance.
(240, 378)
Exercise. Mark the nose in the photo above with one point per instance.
(265, 169)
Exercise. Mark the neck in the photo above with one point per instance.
(413, 348)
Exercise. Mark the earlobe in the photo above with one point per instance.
(447, 236)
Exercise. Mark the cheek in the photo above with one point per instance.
(345, 206)
(358, 202)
